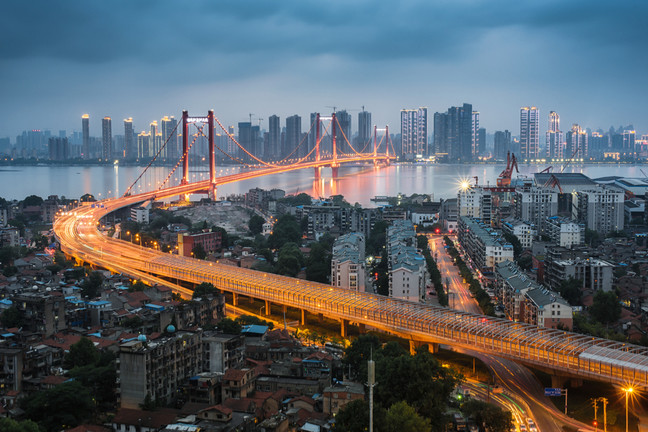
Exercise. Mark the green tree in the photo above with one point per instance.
(11, 425)
(225, 240)
(592, 237)
(32, 200)
(91, 286)
(606, 307)
(62, 407)
(515, 242)
(132, 323)
(99, 380)
(377, 237)
(570, 290)
(199, 252)
(138, 285)
(487, 414)
(204, 289)
(318, 264)
(401, 417)
(82, 353)
(354, 417)
(12, 317)
(422, 242)
(285, 230)
(290, 260)
(256, 224)
(229, 326)
(428, 393)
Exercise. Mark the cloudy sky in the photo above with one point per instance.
(585, 59)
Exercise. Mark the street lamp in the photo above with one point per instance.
(627, 391)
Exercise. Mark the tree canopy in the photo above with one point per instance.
(606, 307)
(91, 286)
(285, 230)
(204, 289)
(65, 406)
(82, 353)
(256, 224)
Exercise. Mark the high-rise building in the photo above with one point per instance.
(130, 148)
(85, 128)
(576, 145)
(629, 137)
(413, 133)
(365, 132)
(502, 144)
(59, 149)
(274, 150)
(144, 145)
(106, 138)
(529, 127)
(474, 135)
(598, 144)
(170, 137)
(481, 141)
(293, 139)
(554, 138)
(453, 133)
(343, 132)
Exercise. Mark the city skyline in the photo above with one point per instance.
(297, 58)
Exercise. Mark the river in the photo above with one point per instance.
(356, 183)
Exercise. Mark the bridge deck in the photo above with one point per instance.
(562, 351)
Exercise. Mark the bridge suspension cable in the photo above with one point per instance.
(162, 147)
(200, 128)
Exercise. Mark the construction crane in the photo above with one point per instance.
(504, 179)
(553, 181)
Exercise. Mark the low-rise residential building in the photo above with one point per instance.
(527, 301)
(600, 208)
(210, 242)
(524, 231)
(222, 351)
(483, 244)
(564, 232)
(140, 214)
(535, 204)
(475, 202)
(594, 274)
(408, 275)
(157, 368)
(547, 308)
(348, 263)
(341, 394)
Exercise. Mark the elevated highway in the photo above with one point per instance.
(564, 353)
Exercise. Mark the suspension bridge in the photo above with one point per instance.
(562, 353)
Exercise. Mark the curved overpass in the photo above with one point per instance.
(563, 352)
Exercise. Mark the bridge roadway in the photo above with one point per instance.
(565, 353)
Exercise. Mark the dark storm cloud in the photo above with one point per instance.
(159, 31)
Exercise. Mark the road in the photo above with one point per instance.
(517, 380)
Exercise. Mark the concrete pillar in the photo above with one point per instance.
(303, 316)
(344, 328)
(558, 381)
(361, 328)
(251, 300)
(235, 299)
(267, 310)
(432, 347)
(320, 317)
(334, 172)
(576, 382)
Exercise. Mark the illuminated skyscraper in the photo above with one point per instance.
(629, 137)
(576, 145)
(274, 150)
(413, 133)
(365, 131)
(529, 138)
(85, 129)
(554, 138)
(453, 133)
(144, 145)
(474, 135)
(502, 144)
(170, 137)
(293, 138)
(129, 140)
(106, 138)
(343, 132)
